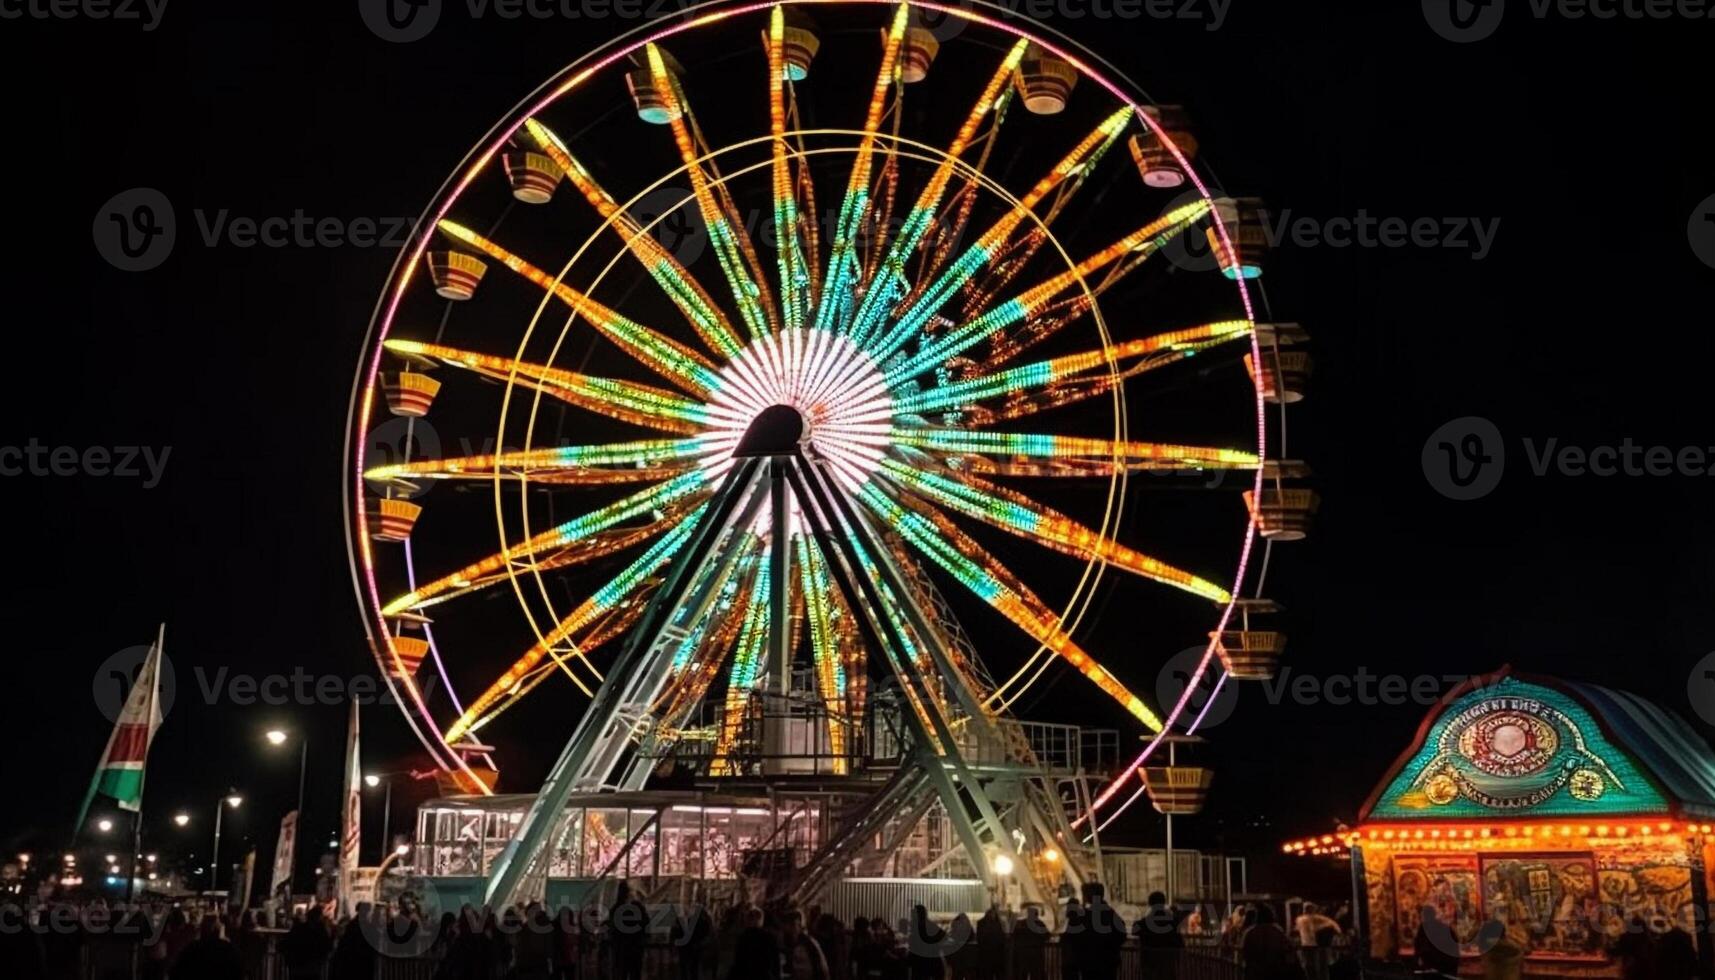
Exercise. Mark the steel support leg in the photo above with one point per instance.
(818, 499)
(513, 867)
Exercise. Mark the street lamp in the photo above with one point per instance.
(372, 780)
(104, 825)
(182, 819)
(398, 852)
(278, 737)
(232, 800)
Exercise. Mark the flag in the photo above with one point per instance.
(120, 773)
(283, 852)
(349, 830)
(248, 876)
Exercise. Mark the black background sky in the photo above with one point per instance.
(1588, 323)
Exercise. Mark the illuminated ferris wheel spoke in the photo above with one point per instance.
(977, 570)
(744, 673)
(1047, 315)
(1020, 309)
(843, 273)
(617, 622)
(1053, 446)
(690, 486)
(977, 257)
(1017, 514)
(698, 674)
(667, 357)
(889, 282)
(1144, 354)
(627, 401)
(647, 460)
(592, 609)
(796, 284)
(1148, 352)
(1015, 255)
(950, 225)
(597, 545)
(699, 655)
(705, 316)
(816, 590)
(700, 658)
(727, 233)
(909, 649)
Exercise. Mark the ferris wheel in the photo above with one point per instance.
(748, 336)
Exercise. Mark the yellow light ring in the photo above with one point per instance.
(1077, 604)
(478, 159)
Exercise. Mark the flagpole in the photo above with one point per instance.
(143, 774)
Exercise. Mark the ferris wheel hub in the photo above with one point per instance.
(776, 431)
(838, 399)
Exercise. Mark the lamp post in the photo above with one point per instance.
(393, 855)
(384, 779)
(233, 800)
(278, 737)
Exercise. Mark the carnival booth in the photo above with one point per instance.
(1562, 811)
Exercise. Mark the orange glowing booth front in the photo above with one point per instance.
(1562, 811)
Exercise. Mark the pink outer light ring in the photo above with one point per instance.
(381, 323)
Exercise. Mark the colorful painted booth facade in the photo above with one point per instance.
(1563, 811)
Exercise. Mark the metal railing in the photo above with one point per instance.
(262, 960)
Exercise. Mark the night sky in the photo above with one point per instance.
(1586, 323)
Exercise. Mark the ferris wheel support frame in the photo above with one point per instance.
(824, 505)
(634, 680)
(620, 713)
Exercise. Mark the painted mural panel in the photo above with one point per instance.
(1645, 880)
(1517, 749)
(1448, 883)
(1548, 903)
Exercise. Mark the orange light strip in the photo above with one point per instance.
(1520, 834)
(669, 358)
(680, 286)
(731, 240)
(983, 251)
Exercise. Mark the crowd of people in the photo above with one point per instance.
(625, 940)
